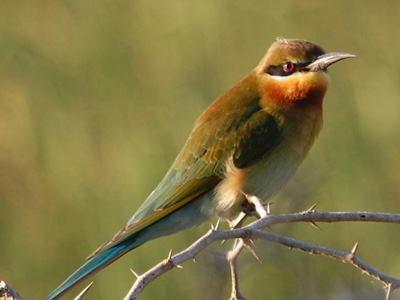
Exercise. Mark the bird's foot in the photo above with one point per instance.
(238, 221)
(252, 207)
(258, 206)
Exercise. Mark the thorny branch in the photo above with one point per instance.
(244, 237)
(253, 231)
(7, 293)
(231, 257)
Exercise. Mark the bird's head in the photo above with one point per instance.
(294, 72)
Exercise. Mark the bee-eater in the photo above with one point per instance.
(248, 142)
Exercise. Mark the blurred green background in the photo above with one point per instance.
(97, 98)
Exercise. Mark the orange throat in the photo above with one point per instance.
(297, 89)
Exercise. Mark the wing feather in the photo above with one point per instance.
(233, 126)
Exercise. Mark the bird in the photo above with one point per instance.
(241, 151)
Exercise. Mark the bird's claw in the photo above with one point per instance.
(258, 206)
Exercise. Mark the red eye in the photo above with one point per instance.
(288, 66)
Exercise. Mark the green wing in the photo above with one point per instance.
(231, 127)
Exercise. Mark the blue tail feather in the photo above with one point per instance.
(189, 215)
(92, 266)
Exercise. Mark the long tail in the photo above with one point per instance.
(92, 266)
(189, 215)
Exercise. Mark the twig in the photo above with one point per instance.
(7, 293)
(83, 292)
(232, 257)
(344, 256)
(253, 231)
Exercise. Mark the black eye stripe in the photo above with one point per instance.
(279, 71)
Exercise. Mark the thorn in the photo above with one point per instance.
(312, 208)
(134, 273)
(217, 224)
(268, 204)
(84, 291)
(169, 255)
(352, 252)
(251, 248)
(313, 224)
(223, 242)
(354, 249)
(194, 259)
(252, 241)
(236, 243)
(178, 266)
(389, 290)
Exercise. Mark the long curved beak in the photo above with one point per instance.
(325, 60)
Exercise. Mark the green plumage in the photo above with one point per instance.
(243, 133)
(250, 140)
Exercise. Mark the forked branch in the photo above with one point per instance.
(244, 237)
(254, 231)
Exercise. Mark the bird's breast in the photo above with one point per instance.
(269, 174)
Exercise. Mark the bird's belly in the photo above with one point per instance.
(263, 179)
(267, 176)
